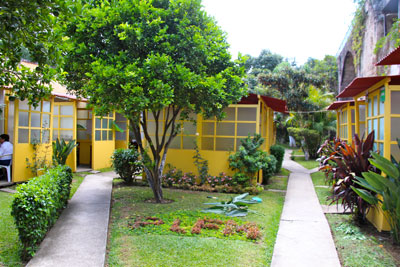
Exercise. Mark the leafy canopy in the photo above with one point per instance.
(135, 55)
(27, 32)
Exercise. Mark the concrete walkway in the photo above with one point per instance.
(304, 237)
(79, 237)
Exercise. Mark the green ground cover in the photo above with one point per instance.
(9, 242)
(357, 248)
(76, 182)
(128, 247)
(297, 152)
(308, 164)
(278, 181)
(318, 179)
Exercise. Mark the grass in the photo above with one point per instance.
(9, 242)
(279, 181)
(297, 152)
(308, 164)
(126, 248)
(318, 178)
(356, 248)
(76, 182)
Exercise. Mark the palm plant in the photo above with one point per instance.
(383, 192)
(61, 151)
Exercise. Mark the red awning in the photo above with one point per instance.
(274, 103)
(337, 104)
(392, 58)
(359, 85)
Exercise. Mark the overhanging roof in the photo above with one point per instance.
(337, 104)
(392, 58)
(274, 103)
(358, 85)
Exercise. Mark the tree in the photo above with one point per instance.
(134, 56)
(292, 83)
(27, 31)
(326, 69)
(264, 63)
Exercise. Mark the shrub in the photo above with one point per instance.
(383, 192)
(248, 160)
(341, 164)
(37, 205)
(221, 179)
(310, 140)
(126, 163)
(278, 152)
(61, 151)
(269, 168)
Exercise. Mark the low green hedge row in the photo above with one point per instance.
(37, 205)
(278, 152)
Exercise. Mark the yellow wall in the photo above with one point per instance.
(101, 154)
(121, 144)
(84, 152)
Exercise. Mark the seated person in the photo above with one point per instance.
(6, 148)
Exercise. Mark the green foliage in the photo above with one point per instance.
(373, 185)
(201, 164)
(392, 36)
(309, 139)
(326, 69)
(126, 163)
(278, 152)
(235, 207)
(249, 159)
(291, 84)
(27, 31)
(61, 151)
(269, 169)
(357, 33)
(135, 56)
(37, 205)
(341, 164)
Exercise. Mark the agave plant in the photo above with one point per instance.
(61, 151)
(373, 185)
(236, 207)
(341, 164)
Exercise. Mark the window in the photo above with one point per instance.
(84, 122)
(225, 135)
(375, 117)
(63, 121)
(34, 122)
(103, 127)
(122, 123)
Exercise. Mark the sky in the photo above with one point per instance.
(295, 29)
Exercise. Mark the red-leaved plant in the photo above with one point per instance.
(341, 164)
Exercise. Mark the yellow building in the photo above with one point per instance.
(346, 123)
(217, 139)
(381, 95)
(67, 117)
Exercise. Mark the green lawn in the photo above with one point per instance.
(308, 164)
(297, 152)
(132, 249)
(9, 242)
(278, 181)
(357, 249)
(318, 179)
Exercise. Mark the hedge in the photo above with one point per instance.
(37, 205)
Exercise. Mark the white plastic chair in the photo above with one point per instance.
(8, 167)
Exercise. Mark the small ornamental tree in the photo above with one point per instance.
(134, 56)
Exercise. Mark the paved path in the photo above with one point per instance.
(304, 237)
(79, 237)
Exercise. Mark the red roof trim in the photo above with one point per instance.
(274, 103)
(392, 58)
(358, 85)
(337, 104)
